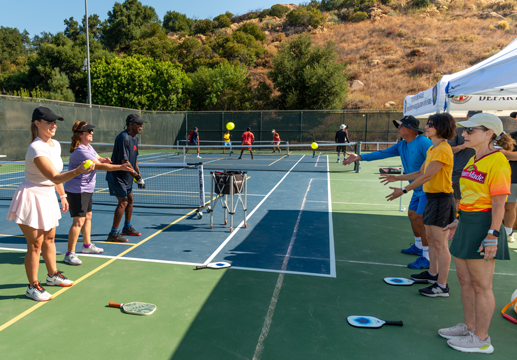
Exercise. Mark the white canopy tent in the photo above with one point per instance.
(497, 99)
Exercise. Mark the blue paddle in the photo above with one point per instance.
(370, 322)
(398, 281)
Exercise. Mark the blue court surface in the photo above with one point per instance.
(289, 227)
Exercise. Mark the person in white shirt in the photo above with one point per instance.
(35, 207)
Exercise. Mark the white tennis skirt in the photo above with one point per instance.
(35, 206)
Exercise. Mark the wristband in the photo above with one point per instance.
(404, 190)
(488, 242)
(63, 196)
(456, 221)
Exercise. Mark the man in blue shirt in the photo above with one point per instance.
(412, 150)
(120, 183)
(193, 140)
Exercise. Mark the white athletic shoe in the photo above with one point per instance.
(37, 293)
(471, 344)
(199, 157)
(92, 249)
(510, 237)
(58, 280)
(72, 259)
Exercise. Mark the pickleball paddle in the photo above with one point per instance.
(370, 322)
(216, 265)
(398, 281)
(137, 308)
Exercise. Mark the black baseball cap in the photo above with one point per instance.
(471, 113)
(84, 128)
(514, 115)
(134, 118)
(410, 122)
(43, 113)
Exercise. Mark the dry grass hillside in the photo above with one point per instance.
(400, 50)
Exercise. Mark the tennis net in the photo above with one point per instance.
(175, 185)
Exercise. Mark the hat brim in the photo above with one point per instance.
(398, 123)
(467, 124)
(51, 117)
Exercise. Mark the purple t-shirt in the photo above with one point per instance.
(82, 182)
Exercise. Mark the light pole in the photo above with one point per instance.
(88, 55)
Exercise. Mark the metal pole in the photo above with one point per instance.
(260, 136)
(301, 126)
(88, 55)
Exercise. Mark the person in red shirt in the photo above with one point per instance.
(247, 139)
(276, 141)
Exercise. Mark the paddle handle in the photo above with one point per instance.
(114, 304)
(398, 323)
(201, 267)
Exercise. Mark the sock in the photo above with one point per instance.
(425, 252)
(86, 246)
(127, 224)
(68, 253)
(338, 158)
(418, 242)
(509, 230)
(430, 273)
(442, 286)
(113, 230)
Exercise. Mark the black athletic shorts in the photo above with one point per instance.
(341, 148)
(440, 209)
(79, 203)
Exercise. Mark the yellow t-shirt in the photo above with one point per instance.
(442, 181)
(226, 137)
(481, 179)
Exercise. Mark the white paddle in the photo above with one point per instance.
(136, 308)
(216, 265)
(398, 281)
(370, 322)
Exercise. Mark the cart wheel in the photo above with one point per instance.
(245, 225)
(225, 222)
(199, 215)
(211, 226)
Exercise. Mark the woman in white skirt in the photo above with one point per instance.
(35, 207)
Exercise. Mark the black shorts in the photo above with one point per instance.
(440, 209)
(79, 203)
(456, 186)
(341, 148)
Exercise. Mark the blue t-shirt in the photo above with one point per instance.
(125, 148)
(82, 182)
(193, 137)
(412, 154)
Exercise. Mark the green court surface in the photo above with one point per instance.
(246, 314)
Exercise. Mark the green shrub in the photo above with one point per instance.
(305, 16)
(252, 30)
(263, 14)
(329, 5)
(421, 3)
(278, 10)
(334, 20)
(359, 16)
(204, 27)
(222, 21)
(503, 25)
(176, 22)
(229, 15)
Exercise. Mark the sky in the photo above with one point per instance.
(47, 15)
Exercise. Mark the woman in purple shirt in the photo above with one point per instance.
(80, 190)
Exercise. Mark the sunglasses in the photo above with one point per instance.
(429, 124)
(89, 131)
(472, 129)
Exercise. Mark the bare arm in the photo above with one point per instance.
(510, 155)
(386, 178)
(432, 170)
(49, 171)
(458, 148)
(126, 166)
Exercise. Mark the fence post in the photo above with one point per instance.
(358, 152)
(260, 136)
(301, 126)
(186, 125)
(366, 128)
(389, 122)
(222, 125)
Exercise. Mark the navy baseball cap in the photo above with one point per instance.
(43, 113)
(135, 118)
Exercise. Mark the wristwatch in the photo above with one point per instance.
(404, 190)
(494, 232)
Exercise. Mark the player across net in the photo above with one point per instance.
(175, 185)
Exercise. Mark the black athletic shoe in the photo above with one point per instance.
(116, 237)
(435, 291)
(130, 231)
(424, 277)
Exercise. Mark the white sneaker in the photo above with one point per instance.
(510, 237)
(72, 259)
(92, 249)
(199, 157)
(459, 330)
(471, 344)
(37, 293)
(58, 280)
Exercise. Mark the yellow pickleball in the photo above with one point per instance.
(230, 126)
(314, 145)
(87, 164)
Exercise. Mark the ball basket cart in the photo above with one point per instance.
(225, 185)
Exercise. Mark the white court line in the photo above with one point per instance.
(318, 159)
(249, 216)
(276, 293)
(281, 272)
(351, 203)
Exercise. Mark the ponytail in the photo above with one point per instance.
(76, 137)
(34, 131)
(505, 141)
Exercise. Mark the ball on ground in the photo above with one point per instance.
(87, 164)
(314, 145)
(230, 126)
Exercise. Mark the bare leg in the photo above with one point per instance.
(129, 207)
(413, 218)
(510, 214)
(440, 248)
(468, 295)
(421, 226)
(119, 211)
(34, 239)
(86, 230)
(73, 233)
(481, 273)
(48, 250)
(433, 256)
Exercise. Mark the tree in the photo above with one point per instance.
(222, 21)
(13, 43)
(72, 29)
(138, 82)
(308, 77)
(175, 22)
(59, 87)
(95, 26)
(43, 37)
(225, 87)
(305, 16)
(253, 30)
(125, 22)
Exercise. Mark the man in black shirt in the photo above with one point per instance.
(341, 138)
(120, 183)
(511, 202)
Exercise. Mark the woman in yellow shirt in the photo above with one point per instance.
(479, 236)
(226, 138)
(440, 210)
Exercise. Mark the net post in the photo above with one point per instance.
(201, 187)
(358, 152)
(301, 126)
(245, 196)
(184, 155)
(232, 210)
(177, 147)
(287, 147)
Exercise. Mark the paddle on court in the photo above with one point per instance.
(398, 281)
(216, 265)
(370, 322)
(137, 308)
